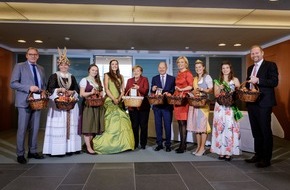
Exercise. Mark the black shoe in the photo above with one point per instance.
(168, 149)
(143, 147)
(254, 159)
(263, 164)
(228, 158)
(221, 157)
(21, 160)
(159, 147)
(35, 156)
(180, 150)
(69, 154)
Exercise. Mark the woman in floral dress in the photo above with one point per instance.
(226, 129)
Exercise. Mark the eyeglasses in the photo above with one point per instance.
(32, 54)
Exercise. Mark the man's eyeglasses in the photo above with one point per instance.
(30, 54)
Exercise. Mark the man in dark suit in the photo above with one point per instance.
(27, 77)
(163, 113)
(265, 75)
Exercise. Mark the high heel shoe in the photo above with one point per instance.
(194, 152)
(221, 157)
(200, 154)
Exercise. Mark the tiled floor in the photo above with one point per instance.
(175, 175)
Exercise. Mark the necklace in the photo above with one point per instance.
(64, 80)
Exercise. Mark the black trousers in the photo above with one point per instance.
(260, 120)
(139, 120)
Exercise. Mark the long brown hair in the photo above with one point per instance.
(231, 74)
(115, 76)
(97, 77)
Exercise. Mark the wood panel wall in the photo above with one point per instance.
(6, 96)
(280, 54)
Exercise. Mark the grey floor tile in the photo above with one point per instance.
(49, 170)
(217, 163)
(251, 168)
(113, 165)
(78, 174)
(154, 168)
(111, 179)
(7, 176)
(168, 182)
(223, 174)
(237, 186)
(15, 166)
(191, 177)
(70, 187)
(34, 183)
(272, 180)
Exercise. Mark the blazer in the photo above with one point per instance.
(22, 79)
(169, 87)
(268, 80)
(143, 90)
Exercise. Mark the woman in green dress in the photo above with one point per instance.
(118, 135)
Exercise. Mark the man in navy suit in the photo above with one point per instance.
(27, 77)
(163, 113)
(265, 75)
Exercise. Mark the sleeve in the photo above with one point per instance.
(52, 83)
(208, 81)
(189, 79)
(83, 83)
(75, 85)
(271, 80)
(144, 87)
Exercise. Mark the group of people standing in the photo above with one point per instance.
(110, 129)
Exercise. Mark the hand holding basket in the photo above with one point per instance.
(248, 95)
(38, 104)
(132, 101)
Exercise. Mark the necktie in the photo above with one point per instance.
(34, 74)
(162, 81)
(255, 69)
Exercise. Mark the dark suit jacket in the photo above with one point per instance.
(169, 87)
(268, 79)
(21, 80)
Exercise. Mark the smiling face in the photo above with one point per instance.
(63, 67)
(137, 72)
(162, 68)
(93, 71)
(257, 54)
(182, 65)
(199, 69)
(114, 66)
(32, 55)
(226, 69)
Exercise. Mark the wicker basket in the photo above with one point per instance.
(132, 101)
(156, 100)
(226, 99)
(65, 105)
(197, 101)
(246, 95)
(176, 100)
(38, 104)
(95, 101)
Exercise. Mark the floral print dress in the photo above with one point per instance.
(225, 131)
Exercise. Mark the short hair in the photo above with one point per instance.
(32, 48)
(137, 66)
(185, 60)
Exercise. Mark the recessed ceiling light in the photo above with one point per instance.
(186, 47)
(38, 41)
(273, 0)
(67, 38)
(21, 41)
(237, 45)
(132, 48)
(222, 44)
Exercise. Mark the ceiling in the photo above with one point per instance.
(154, 25)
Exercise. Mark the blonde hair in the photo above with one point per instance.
(136, 67)
(185, 60)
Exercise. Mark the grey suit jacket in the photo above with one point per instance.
(22, 79)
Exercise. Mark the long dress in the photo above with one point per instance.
(91, 118)
(56, 140)
(198, 117)
(225, 131)
(182, 80)
(118, 135)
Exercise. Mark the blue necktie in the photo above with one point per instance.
(35, 74)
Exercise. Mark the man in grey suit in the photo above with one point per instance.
(27, 77)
